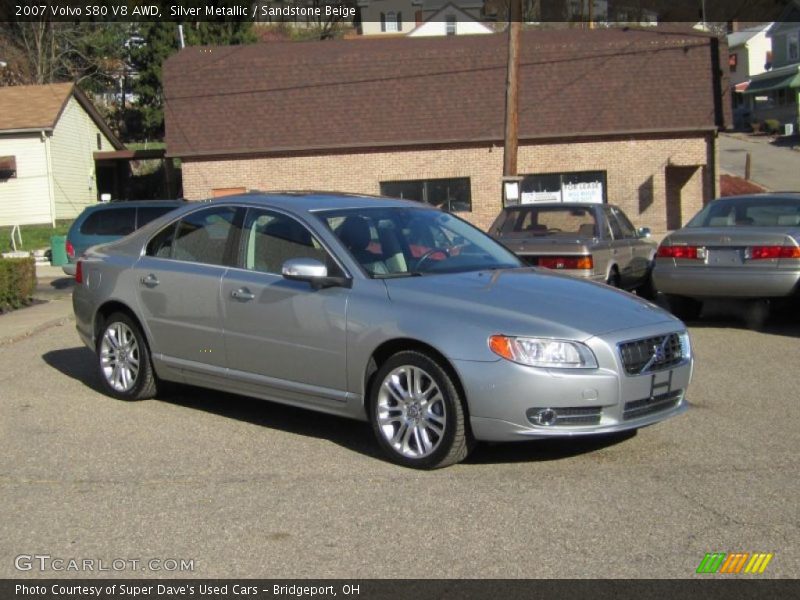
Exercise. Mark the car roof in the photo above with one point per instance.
(568, 205)
(312, 201)
(770, 195)
(133, 204)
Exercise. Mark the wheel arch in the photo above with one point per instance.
(110, 307)
(389, 348)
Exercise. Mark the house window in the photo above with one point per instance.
(793, 46)
(451, 25)
(99, 142)
(582, 186)
(733, 59)
(392, 22)
(452, 195)
(8, 167)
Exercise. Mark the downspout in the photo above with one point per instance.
(50, 188)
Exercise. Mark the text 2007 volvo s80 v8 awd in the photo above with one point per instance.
(382, 310)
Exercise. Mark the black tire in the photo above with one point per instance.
(140, 386)
(647, 290)
(614, 280)
(455, 441)
(686, 309)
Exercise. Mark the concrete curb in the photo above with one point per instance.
(5, 341)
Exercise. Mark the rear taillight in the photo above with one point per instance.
(767, 252)
(79, 272)
(690, 252)
(566, 262)
(70, 249)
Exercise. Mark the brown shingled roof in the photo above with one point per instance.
(289, 97)
(32, 106)
(38, 107)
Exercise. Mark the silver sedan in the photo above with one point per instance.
(739, 247)
(381, 310)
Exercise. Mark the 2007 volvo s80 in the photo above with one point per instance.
(381, 310)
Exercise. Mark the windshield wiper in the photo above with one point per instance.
(396, 275)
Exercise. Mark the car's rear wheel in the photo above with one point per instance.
(686, 309)
(417, 412)
(614, 280)
(123, 359)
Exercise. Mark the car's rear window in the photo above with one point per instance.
(110, 221)
(749, 212)
(529, 221)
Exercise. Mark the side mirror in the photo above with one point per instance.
(312, 272)
(644, 232)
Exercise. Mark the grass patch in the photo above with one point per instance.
(34, 237)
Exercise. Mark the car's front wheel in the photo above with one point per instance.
(123, 359)
(417, 412)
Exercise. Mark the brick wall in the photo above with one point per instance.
(636, 172)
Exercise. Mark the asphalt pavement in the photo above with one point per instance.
(245, 488)
(775, 163)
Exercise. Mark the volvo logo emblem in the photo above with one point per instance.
(659, 354)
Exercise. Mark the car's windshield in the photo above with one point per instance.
(400, 241)
(549, 220)
(749, 212)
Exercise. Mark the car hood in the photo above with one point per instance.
(531, 301)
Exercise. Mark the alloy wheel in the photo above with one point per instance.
(119, 357)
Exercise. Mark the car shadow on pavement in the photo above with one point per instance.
(783, 319)
(544, 450)
(78, 363)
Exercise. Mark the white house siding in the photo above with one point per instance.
(25, 199)
(466, 26)
(73, 144)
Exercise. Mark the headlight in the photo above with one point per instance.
(541, 352)
(686, 345)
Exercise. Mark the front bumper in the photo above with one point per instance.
(709, 282)
(505, 398)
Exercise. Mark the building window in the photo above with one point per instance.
(793, 46)
(99, 142)
(583, 186)
(392, 22)
(733, 59)
(8, 167)
(452, 195)
(451, 24)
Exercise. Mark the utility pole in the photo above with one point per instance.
(512, 90)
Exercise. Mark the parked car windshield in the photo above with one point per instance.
(749, 212)
(399, 241)
(527, 221)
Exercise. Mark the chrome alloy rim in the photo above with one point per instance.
(119, 357)
(411, 412)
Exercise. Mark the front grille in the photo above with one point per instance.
(651, 354)
(648, 406)
(580, 415)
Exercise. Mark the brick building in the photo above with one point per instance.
(625, 116)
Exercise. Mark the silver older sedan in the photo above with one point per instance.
(740, 247)
(595, 241)
(381, 310)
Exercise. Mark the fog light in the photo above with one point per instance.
(546, 416)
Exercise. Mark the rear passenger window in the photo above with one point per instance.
(203, 236)
(110, 221)
(147, 214)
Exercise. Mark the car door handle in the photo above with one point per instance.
(242, 294)
(150, 280)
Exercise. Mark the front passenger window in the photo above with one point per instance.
(272, 238)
